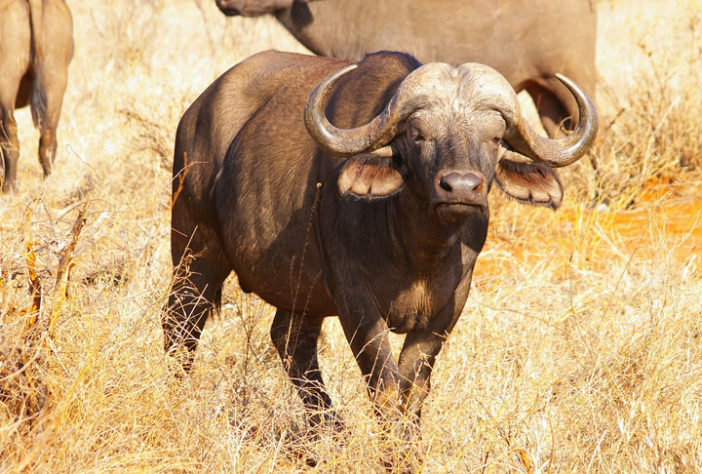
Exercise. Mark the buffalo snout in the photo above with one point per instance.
(462, 188)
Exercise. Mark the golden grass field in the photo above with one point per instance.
(579, 350)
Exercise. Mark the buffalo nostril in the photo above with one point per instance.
(444, 183)
(472, 181)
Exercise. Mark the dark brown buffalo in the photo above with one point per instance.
(379, 221)
(527, 41)
(36, 46)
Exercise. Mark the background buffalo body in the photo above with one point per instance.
(527, 42)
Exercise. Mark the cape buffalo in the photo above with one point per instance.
(528, 42)
(379, 221)
(36, 46)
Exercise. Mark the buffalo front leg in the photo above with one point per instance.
(422, 346)
(416, 364)
(295, 337)
(367, 336)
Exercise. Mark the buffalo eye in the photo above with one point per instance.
(416, 135)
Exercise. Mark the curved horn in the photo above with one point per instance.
(348, 142)
(564, 151)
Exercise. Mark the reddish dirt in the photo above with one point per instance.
(666, 222)
(674, 209)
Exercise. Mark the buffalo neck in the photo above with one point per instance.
(416, 232)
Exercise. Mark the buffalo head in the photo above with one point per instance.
(448, 132)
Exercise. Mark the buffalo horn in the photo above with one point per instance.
(564, 151)
(371, 137)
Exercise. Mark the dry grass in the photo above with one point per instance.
(648, 94)
(579, 349)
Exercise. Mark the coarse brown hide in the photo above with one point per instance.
(527, 41)
(378, 221)
(36, 46)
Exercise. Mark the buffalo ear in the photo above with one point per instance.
(368, 176)
(530, 183)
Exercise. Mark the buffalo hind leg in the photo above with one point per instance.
(196, 292)
(553, 112)
(51, 79)
(295, 337)
(47, 148)
(55, 86)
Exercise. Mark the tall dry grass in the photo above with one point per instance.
(648, 93)
(579, 349)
